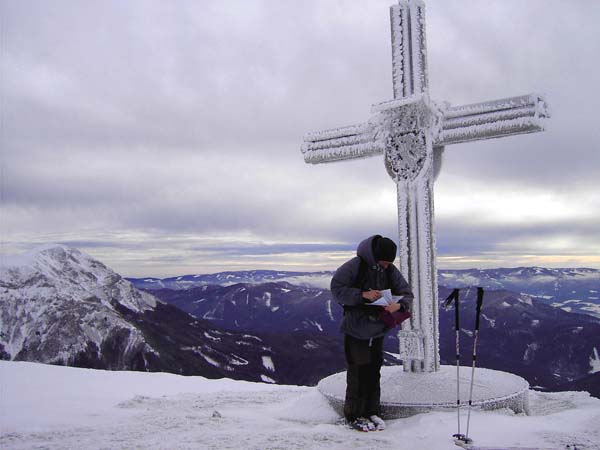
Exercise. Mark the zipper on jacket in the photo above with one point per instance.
(370, 342)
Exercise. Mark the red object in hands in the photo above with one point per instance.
(394, 319)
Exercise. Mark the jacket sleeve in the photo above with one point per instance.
(400, 286)
(342, 284)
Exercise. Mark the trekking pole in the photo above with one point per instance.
(478, 314)
(453, 297)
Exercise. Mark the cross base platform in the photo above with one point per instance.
(404, 394)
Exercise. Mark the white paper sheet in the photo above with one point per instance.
(387, 298)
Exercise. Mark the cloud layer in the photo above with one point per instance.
(164, 137)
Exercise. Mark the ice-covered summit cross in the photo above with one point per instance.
(411, 132)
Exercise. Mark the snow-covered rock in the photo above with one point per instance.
(60, 305)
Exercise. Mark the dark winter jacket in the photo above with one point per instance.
(362, 321)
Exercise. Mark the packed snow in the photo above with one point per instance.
(526, 299)
(267, 299)
(267, 379)
(595, 361)
(329, 311)
(55, 407)
(492, 322)
(268, 364)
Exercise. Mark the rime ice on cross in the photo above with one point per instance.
(411, 132)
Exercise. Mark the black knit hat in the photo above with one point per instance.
(384, 250)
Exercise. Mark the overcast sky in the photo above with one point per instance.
(164, 137)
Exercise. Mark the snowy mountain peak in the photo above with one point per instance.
(58, 304)
(59, 267)
(61, 306)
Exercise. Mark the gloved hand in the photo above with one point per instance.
(406, 305)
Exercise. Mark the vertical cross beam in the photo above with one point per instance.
(409, 50)
(416, 235)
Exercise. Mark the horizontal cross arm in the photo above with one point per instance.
(493, 119)
(352, 142)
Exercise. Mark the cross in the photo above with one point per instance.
(411, 132)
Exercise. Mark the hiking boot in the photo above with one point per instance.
(377, 422)
(361, 424)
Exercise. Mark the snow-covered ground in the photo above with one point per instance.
(51, 407)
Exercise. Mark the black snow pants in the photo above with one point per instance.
(363, 361)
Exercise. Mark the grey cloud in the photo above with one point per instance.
(491, 50)
(151, 74)
(274, 249)
(187, 117)
(464, 238)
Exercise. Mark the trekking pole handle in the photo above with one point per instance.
(453, 297)
(479, 305)
(455, 293)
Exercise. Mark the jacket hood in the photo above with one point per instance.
(365, 250)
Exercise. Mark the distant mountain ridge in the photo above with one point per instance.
(275, 307)
(519, 334)
(61, 306)
(574, 290)
(318, 279)
(490, 278)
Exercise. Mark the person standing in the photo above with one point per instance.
(355, 284)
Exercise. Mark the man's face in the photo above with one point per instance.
(384, 264)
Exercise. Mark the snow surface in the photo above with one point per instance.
(492, 322)
(595, 361)
(322, 281)
(55, 407)
(590, 308)
(268, 364)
